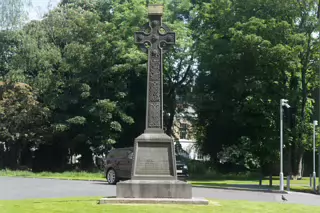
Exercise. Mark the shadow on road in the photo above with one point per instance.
(100, 183)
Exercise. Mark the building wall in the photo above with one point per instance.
(183, 132)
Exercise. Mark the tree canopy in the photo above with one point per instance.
(75, 80)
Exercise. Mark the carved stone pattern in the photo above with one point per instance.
(159, 44)
(154, 91)
(155, 23)
(154, 72)
(155, 54)
(170, 38)
(155, 66)
(154, 38)
(154, 120)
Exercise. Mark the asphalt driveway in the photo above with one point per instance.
(15, 188)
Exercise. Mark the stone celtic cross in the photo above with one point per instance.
(155, 39)
(154, 170)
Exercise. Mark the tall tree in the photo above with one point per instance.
(251, 54)
(13, 13)
(81, 57)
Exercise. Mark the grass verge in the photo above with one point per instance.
(89, 204)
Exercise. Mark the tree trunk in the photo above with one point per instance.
(171, 109)
(289, 161)
(13, 156)
(299, 148)
(2, 156)
(169, 123)
(298, 162)
(300, 166)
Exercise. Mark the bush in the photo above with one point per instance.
(199, 167)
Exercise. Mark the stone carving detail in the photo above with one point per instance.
(154, 120)
(155, 115)
(155, 54)
(154, 91)
(154, 74)
(154, 38)
(155, 66)
(140, 37)
(158, 44)
(155, 23)
(170, 38)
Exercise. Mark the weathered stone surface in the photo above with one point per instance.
(159, 42)
(154, 157)
(154, 189)
(155, 9)
(193, 201)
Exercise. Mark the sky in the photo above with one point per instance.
(40, 7)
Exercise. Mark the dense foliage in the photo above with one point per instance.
(74, 82)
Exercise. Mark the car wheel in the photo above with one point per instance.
(111, 176)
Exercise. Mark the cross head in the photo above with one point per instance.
(155, 39)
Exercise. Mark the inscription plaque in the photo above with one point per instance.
(154, 159)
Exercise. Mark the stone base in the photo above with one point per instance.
(154, 189)
(193, 201)
(154, 157)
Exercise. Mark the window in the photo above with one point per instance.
(199, 156)
(112, 153)
(183, 131)
(123, 153)
(118, 153)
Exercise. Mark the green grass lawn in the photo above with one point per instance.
(241, 183)
(85, 205)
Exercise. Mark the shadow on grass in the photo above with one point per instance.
(249, 187)
(220, 178)
(211, 177)
(227, 186)
(303, 190)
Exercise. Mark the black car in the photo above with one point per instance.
(118, 164)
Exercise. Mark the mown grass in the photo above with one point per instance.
(236, 182)
(89, 204)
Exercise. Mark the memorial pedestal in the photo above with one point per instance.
(154, 189)
(154, 170)
(154, 157)
(154, 178)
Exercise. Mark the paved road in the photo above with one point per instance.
(14, 188)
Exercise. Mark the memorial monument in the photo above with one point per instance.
(154, 177)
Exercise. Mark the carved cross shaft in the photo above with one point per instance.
(155, 42)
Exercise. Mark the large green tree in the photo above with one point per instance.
(251, 54)
(83, 62)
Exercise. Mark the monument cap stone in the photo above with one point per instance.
(155, 9)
